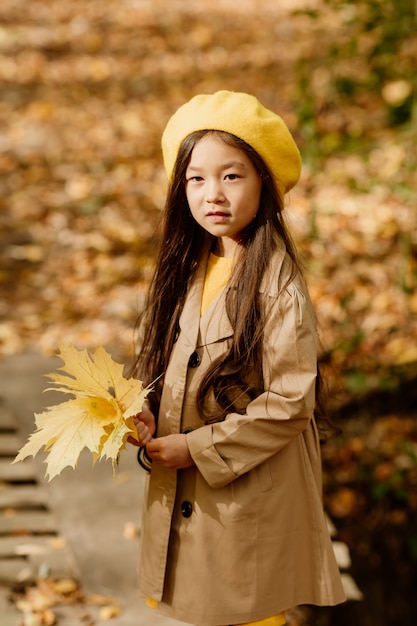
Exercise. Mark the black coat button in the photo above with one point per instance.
(194, 360)
(186, 508)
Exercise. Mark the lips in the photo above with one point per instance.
(218, 216)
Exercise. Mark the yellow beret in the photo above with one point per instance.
(241, 115)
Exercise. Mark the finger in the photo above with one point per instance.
(152, 452)
(145, 439)
(140, 427)
(144, 434)
(153, 446)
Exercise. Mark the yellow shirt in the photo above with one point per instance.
(217, 274)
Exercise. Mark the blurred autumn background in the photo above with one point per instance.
(86, 89)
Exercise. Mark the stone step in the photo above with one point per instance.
(22, 496)
(9, 444)
(12, 546)
(7, 419)
(17, 472)
(15, 570)
(15, 522)
(41, 554)
(30, 543)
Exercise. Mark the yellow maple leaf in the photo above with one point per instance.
(99, 417)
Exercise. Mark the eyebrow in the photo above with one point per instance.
(225, 166)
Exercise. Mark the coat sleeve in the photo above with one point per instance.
(225, 450)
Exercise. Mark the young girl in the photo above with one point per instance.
(233, 529)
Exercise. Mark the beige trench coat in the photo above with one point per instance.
(242, 535)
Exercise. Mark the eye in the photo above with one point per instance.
(194, 179)
(232, 176)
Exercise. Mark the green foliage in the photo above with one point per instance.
(366, 63)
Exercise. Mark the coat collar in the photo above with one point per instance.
(190, 317)
(214, 325)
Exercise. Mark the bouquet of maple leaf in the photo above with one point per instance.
(99, 417)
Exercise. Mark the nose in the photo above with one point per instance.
(214, 192)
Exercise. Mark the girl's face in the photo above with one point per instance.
(223, 191)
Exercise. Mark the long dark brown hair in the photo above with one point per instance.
(235, 378)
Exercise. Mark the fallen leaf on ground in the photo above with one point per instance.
(108, 612)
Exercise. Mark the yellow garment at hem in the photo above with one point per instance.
(275, 620)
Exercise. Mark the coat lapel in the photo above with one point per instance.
(190, 317)
(214, 325)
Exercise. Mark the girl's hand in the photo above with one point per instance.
(170, 451)
(145, 427)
